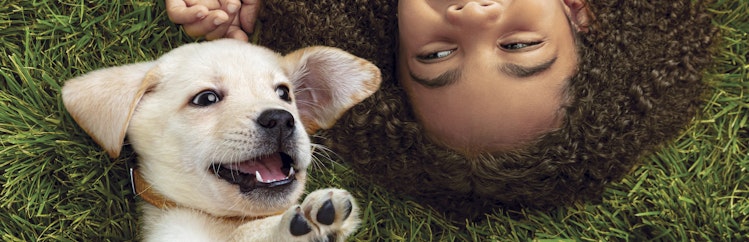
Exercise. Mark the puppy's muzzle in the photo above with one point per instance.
(275, 167)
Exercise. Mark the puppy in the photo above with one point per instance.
(220, 131)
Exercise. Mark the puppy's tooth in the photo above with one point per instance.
(291, 172)
(258, 177)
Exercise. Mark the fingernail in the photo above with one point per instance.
(200, 15)
(232, 8)
(219, 21)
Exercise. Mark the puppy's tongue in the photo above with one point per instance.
(268, 167)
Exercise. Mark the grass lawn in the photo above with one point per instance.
(57, 185)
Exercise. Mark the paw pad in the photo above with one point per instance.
(326, 214)
(347, 210)
(299, 225)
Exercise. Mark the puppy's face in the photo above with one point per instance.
(225, 137)
(222, 126)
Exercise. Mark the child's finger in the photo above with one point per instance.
(230, 6)
(230, 9)
(222, 23)
(248, 14)
(215, 21)
(210, 4)
(235, 32)
(180, 13)
(217, 33)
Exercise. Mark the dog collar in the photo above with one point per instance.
(142, 189)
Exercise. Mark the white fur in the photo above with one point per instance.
(177, 142)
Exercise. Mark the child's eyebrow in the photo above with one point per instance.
(451, 76)
(526, 71)
(447, 78)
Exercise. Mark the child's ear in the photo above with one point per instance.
(579, 14)
(327, 82)
(102, 101)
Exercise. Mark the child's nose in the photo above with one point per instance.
(474, 14)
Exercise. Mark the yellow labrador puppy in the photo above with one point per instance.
(220, 130)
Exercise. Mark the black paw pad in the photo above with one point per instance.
(347, 209)
(332, 237)
(326, 214)
(299, 226)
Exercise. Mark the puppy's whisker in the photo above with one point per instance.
(214, 168)
(322, 154)
(316, 163)
(309, 104)
(307, 88)
(330, 154)
(230, 156)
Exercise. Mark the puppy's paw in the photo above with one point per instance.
(325, 215)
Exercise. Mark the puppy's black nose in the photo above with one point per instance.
(277, 122)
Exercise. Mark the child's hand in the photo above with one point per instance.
(214, 19)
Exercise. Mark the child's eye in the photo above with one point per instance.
(518, 46)
(435, 55)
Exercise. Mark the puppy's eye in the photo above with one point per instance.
(205, 98)
(283, 93)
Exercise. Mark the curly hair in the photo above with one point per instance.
(639, 83)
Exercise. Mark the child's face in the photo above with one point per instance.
(483, 75)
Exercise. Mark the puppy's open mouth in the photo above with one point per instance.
(262, 172)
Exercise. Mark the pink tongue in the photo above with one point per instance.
(268, 167)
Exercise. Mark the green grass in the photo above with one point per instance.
(57, 185)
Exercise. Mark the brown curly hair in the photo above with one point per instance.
(638, 85)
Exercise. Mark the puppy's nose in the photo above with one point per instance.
(277, 122)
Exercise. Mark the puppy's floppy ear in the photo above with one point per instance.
(102, 102)
(328, 81)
